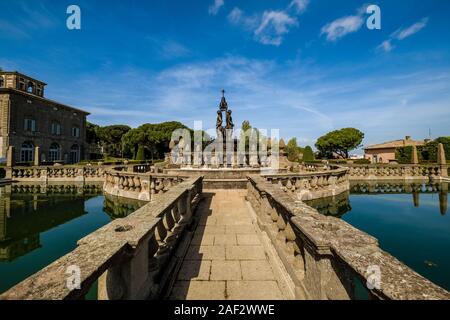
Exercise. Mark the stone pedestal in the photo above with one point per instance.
(10, 159)
(414, 156)
(37, 157)
(442, 161)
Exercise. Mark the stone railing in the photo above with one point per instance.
(131, 258)
(423, 172)
(28, 188)
(139, 186)
(314, 185)
(57, 174)
(326, 258)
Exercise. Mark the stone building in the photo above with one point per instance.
(385, 152)
(32, 123)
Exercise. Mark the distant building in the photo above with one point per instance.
(385, 152)
(29, 120)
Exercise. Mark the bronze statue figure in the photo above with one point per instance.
(219, 120)
(230, 124)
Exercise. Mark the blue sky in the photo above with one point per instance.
(305, 67)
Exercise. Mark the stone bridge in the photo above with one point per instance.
(258, 240)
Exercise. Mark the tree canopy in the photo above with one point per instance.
(154, 138)
(111, 138)
(308, 154)
(293, 151)
(340, 142)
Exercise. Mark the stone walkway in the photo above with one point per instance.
(226, 258)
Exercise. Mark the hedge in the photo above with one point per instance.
(426, 153)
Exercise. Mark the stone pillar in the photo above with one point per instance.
(37, 156)
(10, 159)
(414, 156)
(442, 161)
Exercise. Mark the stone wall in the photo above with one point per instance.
(380, 172)
(132, 258)
(139, 186)
(421, 172)
(326, 257)
(314, 185)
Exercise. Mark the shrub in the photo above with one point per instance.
(140, 155)
(362, 161)
(308, 154)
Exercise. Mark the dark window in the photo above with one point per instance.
(54, 153)
(27, 152)
(74, 154)
(29, 125)
(56, 128)
(30, 87)
(76, 132)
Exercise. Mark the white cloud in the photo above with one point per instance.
(274, 25)
(386, 46)
(299, 5)
(402, 34)
(239, 18)
(215, 7)
(342, 26)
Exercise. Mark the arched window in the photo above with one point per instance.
(27, 152)
(54, 153)
(30, 87)
(56, 128)
(74, 154)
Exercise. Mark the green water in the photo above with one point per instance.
(38, 225)
(412, 222)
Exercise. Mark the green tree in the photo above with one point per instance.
(292, 150)
(308, 154)
(91, 133)
(155, 138)
(111, 138)
(340, 142)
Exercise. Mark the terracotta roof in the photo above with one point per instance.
(395, 144)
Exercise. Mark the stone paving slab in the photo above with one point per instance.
(253, 290)
(245, 253)
(226, 259)
(193, 270)
(256, 270)
(198, 290)
(226, 270)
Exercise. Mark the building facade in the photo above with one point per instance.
(385, 152)
(29, 120)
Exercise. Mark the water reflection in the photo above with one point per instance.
(410, 221)
(28, 210)
(340, 205)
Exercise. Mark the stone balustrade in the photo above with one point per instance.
(131, 258)
(326, 258)
(57, 174)
(314, 185)
(423, 172)
(139, 186)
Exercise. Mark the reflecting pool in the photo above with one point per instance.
(411, 222)
(39, 224)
